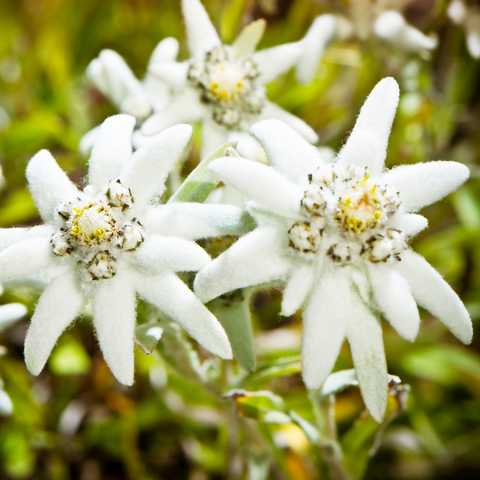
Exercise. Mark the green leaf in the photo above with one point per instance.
(263, 406)
(200, 183)
(69, 358)
(361, 441)
(147, 336)
(233, 312)
(281, 368)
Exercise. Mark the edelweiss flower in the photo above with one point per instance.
(222, 85)
(337, 233)
(109, 242)
(366, 18)
(467, 17)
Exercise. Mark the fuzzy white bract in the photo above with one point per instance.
(364, 19)
(110, 242)
(468, 17)
(336, 232)
(222, 86)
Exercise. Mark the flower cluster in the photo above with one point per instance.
(335, 231)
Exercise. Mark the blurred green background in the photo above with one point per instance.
(74, 421)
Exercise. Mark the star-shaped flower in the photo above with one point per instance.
(109, 242)
(365, 19)
(222, 86)
(336, 233)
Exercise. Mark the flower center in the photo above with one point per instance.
(228, 86)
(95, 231)
(348, 217)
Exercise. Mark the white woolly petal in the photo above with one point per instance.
(174, 74)
(86, 142)
(114, 319)
(165, 51)
(247, 146)
(434, 294)
(297, 289)
(286, 150)
(150, 165)
(260, 183)
(6, 405)
(324, 327)
(272, 62)
(252, 260)
(48, 184)
(366, 343)
(319, 35)
(457, 12)
(168, 293)
(394, 298)
(246, 43)
(59, 305)
(183, 108)
(10, 236)
(425, 183)
(112, 149)
(195, 220)
(376, 118)
(213, 135)
(201, 34)
(10, 313)
(26, 258)
(392, 27)
(158, 253)
(410, 224)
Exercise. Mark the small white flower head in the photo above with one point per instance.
(109, 243)
(364, 19)
(337, 232)
(222, 86)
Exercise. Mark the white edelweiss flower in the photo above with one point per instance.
(222, 86)
(365, 19)
(467, 17)
(109, 242)
(336, 233)
(111, 75)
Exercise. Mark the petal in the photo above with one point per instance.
(324, 327)
(10, 236)
(286, 150)
(392, 27)
(247, 146)
(48, 184)
(372, 128)
(150, 165)
(165, 51)
(260, 183)
(196, 220)
(174, 74)
(297, 289)
(433, 293)
(394, 298)
(425, 183)
(112, 148)
(173, 253)
(272, 62)
(472, 30)
(114, 316)
(170, 295)
(252, 260)
(201, 34)
(10, 313)
(366, 343)
(212, 137)
(410, 224)
(183, 108)
(319, 35)
(59, 305)
(23, 259)
(273, 111)
(246, 43)
(86, 142)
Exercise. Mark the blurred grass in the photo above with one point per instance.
(170, 428)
